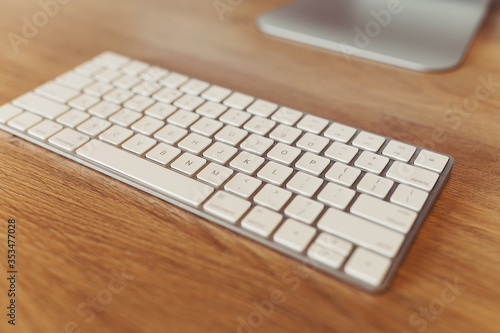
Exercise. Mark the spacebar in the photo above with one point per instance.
(147, 173)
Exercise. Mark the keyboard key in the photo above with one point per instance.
(243, 185)
(287, 116)
(227, 206)
(275, 173)
(211, 110)
(163, 153)
(216, 94)
(272, 197)
(362, 232)
(312, 163)
(375, 185)
(368, 141)
(139, 103)
(294, 235)
(68, 139)
(154, 74)
(107, 75)
(341, 152)
(284, 153)
(247, 162)
(24, 121)
(148, 88)
(235, 117)
(40, 105)
(194, 143)
(412, 175)
(116, 135)
(304, 209)
(174, 80)
(98, 89)
(188, 163)
(45, 129)
(312, 124)
(220, 152)
(304, 184)
(147, 125)
(118, 96)
(383, 212)
(104, 109)
(259, 125)
(88, 69)
(125, 117)
(339, 132)
(334, 243)
(160, 110)
(262, 108)
(399, 150)
(139, 144)
(8, 111)
(57, 92)
(94, 126)
(161, 179)
(325, 255)
(367, 266)
(194, 87)
(183, 118)
(111, 60)
(134, 67)
(215, 174)
(73, 118)
(238, 101)
(285, 134)
(206, 126)
(74, 81)
(189, 102)
(126, 81)
(343, 174)
(231, 135)
(431, 161)
(84, 102)
(261, 221)
(336, 196)
(371, 162)
(312, 143)
(170, 134)
(409, 197)
(257, 144)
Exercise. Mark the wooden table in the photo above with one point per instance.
(77, 229)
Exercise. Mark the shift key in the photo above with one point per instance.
(40, 105)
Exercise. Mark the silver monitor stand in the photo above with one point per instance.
(423, 35)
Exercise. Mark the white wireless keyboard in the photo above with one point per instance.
(343, 200)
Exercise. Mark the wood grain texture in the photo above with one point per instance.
(76, 226)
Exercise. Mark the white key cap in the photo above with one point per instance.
(163, 153)
(303, 209)
(368, 141)
(57, 92)
(189, 102)
(111, 60)
(160, 110)
(147, 125)
(24, 121)
(259, 125)
(118, 96)
(154, 74)
(139, 144)
(235, 117)
(409, 197)
(238, 101)
(431, 160)
(325, 255)
(139, 103)
(343, 174)
(195, 143)
(73, 118)
(206, 126)
(243, 185)
(412, 175)
(88, 69)
(334, 243)
(40, 105)
(74, 81)
(247, 162)
(312, 124)
(174, 80)
(183, 118)
(375, 185)
(398, 150)
(336, 196)
(312, 163)
(8, 111)
(147, 88)
(125, 117)
(362, 232)
(257, 144)
(188, 163)
(170, 134)
(371, 162)
(94, 126)
(339, 132)
(157, 177)
(68, 139)
(104, 109)
(220, 152)
(275, 173)
(286, 116)
(126, 81)
(116, 135)
(367, 266)
(294, 235)
(107, 75)
(194, 87)
(285, 134)
(313, 143)
(231, 135)
(83, 102)
(215, 174)
(45, 129)
(134, 67)
(284, 153)
(261, 221)
(383, 212)
(272, 197)
(341, 152)
(216, 94)
(211, 110)
(262, 108)
(227, 206)
(98, 89)
(304, 184)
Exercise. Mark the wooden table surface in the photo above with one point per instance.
(147, 266)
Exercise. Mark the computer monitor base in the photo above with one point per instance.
(423, 35)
